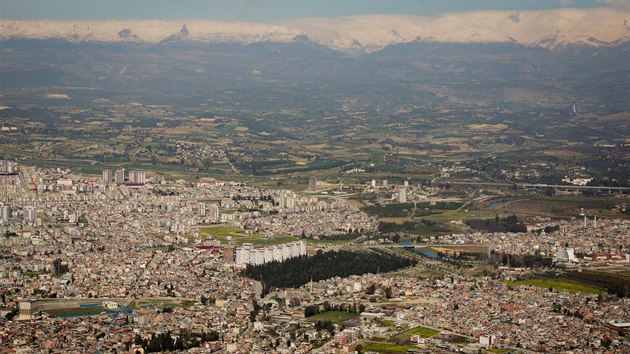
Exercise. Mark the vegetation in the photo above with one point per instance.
(77, 311)
(507, 224)
(614, 283)
(424, 227)
(225, 233)
(299, 271)
(333, 316)
(403, 337)
(390, 210)
(556, 285)
(164, 341)
(386, 347)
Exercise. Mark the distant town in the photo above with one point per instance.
(131, 262)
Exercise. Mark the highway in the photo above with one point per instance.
(538, 185)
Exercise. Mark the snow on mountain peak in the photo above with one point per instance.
(364, 33)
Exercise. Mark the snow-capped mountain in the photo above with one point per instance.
(365, 33)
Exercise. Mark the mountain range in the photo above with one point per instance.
(356, 34)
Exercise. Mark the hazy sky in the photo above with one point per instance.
(263, 10)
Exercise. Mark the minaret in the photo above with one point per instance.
(585, 225)
(595, 222)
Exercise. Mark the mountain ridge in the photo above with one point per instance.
(549, 29)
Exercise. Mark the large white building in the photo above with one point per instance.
(213, 212)
(247, 254)
(566, 255)
(6, 213)
(137, 177)
(402, 195)
(29, 213)
(8, 167)
(108, 176)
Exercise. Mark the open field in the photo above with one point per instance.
(562, 206)
(77, 311)
(556, 285)
(228, 233)
(333, 316)
(422, 331)
(386, 347)
(159, 302)
(460, 248)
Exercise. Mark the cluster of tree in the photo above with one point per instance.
(609, 182)
(557, 308)
(518, 261)
(313, 310)
(325, 325)
(370, 290)
(614, 284)
(166, 342)
(206, 300)
(408, 226)
(507, 224)
(342, 263)
(60, 268)
(8, 234)
(390, 210)
(349, 236)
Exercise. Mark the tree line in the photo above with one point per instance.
(313, 310)
(298, 271)
(166, 342)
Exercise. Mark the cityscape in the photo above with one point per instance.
(314, 178)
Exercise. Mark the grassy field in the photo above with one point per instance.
(229, 233)
(222, 233)
(403, 337)
(556, 285)
(77, 311)
(558, 205)
(162, 303)
(333, 316)
(460, 248)
(386, 347)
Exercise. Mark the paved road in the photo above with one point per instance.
(538, 185)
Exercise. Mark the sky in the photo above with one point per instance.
(265, 10)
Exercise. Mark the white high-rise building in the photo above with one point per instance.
(8, 167)
(247, 254)
(402, 195)
(119, 176)
(201, 209)
(30, 214)
(214, 212)
(6, 213)
(108, 176)
(137, 177)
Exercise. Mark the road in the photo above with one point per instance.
(538, 185)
